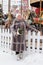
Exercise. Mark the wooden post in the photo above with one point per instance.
(9, 14)
(40, 7)
(1, 5)
(21, 7)
(9, 5)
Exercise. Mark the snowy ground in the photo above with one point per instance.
(31, 59)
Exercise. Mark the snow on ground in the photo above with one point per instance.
(31, 59)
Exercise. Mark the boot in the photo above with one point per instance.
(20, 55)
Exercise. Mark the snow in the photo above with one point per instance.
(30, 59)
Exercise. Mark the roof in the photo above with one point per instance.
(33, 1)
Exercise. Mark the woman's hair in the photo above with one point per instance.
(19, 16)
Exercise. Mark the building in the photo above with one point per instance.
(5, 4)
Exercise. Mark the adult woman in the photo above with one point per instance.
(18, 29)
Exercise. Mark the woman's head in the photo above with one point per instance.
(19, 16)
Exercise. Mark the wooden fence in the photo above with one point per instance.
(35, 41)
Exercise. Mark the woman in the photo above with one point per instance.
(18, 29)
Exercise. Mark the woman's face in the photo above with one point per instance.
(19, 17)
